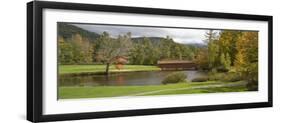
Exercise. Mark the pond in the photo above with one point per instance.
(125, 78)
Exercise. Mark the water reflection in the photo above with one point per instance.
(118, 79)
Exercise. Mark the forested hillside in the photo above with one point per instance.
(67, 32)
(79, 46)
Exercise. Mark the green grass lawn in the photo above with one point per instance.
(70, 69)
(179, 88)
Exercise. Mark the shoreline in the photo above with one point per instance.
(75, 70)
(103, 73)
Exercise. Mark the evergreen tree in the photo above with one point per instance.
(212, 54)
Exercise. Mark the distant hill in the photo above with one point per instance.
(66, 31)
(198, 45)
(154, 40)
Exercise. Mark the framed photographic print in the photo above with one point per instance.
(96, 61)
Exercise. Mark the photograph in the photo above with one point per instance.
(91, 60)
(97, 60)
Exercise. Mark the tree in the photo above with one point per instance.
(240, 62)
(221, 48)
(144, 52)
(166, 48)
(213, 48)
(148, 51)
(82, 50)
(169, 49)
(213, 54)
(137, 54)
(110, 48)
(202, 59)
(76, 42)
(210, 35)
(87, 52)
(246, 60)
(65, 51)
(225, 61)
(227, 43)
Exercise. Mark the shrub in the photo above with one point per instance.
(252, 85)
(200, 79)
(251, 75)
(222, 69)
(216, 76)
(226, 77)
(232, 77)
(174, 77)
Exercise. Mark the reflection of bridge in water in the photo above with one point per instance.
(176, 65)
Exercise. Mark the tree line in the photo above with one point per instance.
(231, 50)
(228, 49)
(103, 50)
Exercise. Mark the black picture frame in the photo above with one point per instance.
(35, 69)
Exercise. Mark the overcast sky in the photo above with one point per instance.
(179, 35)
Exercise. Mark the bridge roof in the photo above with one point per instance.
(173, 62)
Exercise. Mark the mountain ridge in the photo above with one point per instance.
(66, 31)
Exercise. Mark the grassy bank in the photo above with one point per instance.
(72, 69)
(180, 88)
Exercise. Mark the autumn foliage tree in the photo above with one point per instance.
(246, 61)
(75, 50)
(64, 51)
(202, 59)
(230, 49)
(110, 48)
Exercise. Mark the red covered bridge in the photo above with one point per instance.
(176, 65)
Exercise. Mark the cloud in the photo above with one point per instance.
(178, 34)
